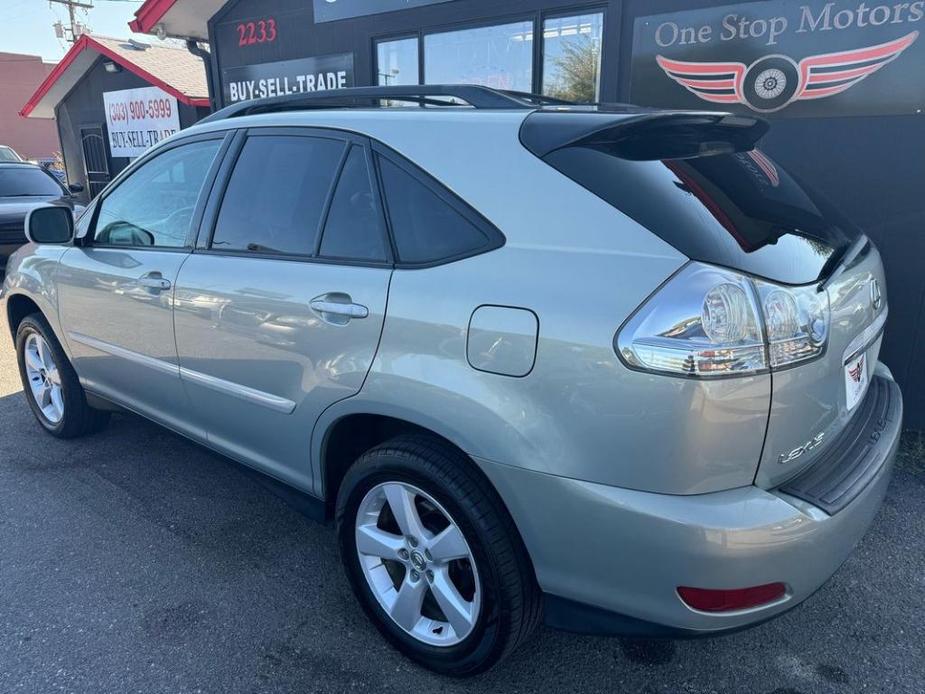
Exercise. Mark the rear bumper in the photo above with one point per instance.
(610, 560)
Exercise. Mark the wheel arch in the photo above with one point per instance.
(343, 437)
(18, 306)
(346, 437)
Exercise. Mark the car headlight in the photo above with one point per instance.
(708, 322)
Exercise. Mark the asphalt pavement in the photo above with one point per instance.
(135, 561)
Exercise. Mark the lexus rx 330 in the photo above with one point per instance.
(610, 367)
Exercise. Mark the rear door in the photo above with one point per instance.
(694, 182)
(115, 292)
(279, 311)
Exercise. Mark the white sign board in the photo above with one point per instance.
(138, 119)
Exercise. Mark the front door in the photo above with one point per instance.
(115, 293)
(279, 314)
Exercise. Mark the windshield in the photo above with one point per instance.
(6, 154)
(741, 209)
(19, 182)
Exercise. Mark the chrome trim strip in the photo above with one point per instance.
(127, 354)
(257, 397)
(866, 338)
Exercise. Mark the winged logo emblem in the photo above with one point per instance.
(856, 372)
(774, 81)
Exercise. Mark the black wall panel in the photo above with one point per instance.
(83, 106)
(871, 167)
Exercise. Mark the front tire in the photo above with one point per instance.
(51, 386)
(434, 557)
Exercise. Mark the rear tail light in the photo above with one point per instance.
(709, 321)
(796, 320)
(713, 600)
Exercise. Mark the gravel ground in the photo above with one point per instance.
(134, 561)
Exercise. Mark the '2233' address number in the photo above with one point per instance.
(257, 31)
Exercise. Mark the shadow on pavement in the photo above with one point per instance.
(135, 560)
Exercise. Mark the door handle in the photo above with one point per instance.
(154, 281)
(338, 308)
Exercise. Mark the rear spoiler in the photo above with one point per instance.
(643, 136)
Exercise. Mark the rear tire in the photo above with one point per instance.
(491, 578)
(51, 386)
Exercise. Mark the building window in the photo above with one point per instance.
(572, 57)
(397, 62)
(497, 56)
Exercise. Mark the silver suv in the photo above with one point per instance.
(612, 367)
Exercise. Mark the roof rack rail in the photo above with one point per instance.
(540, 99)
(475, 96)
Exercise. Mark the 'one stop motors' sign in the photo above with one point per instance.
(138, 119)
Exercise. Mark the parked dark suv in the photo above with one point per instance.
(23, 187)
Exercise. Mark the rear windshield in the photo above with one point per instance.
(6, 154)
(739, 210)
(24, 181)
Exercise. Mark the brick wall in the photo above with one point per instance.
(20, 76)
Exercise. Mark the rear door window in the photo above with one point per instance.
(426, 225)
(354, 230)
(276, 195)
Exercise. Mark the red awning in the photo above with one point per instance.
(178, 18)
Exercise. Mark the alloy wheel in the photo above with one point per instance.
(418, 564)
(44, 378)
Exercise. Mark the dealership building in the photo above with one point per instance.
(841, 81)
(113, 98)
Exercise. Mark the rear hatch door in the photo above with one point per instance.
(699, 182)
(813, 402)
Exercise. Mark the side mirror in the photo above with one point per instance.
(75, 187)
(50, 224)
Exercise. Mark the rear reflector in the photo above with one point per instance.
(708, 600)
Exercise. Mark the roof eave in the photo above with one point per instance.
(87, 42)
(153, 13)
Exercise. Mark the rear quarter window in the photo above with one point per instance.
(428, 224)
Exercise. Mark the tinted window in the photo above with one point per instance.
(276, 195)
(426, 228)
(741, 210)
(497, 56)
(398, 62)
(6, 154)
(24, 181)
(154, 206)
(353, 229)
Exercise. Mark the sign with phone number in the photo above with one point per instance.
(138, 119)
